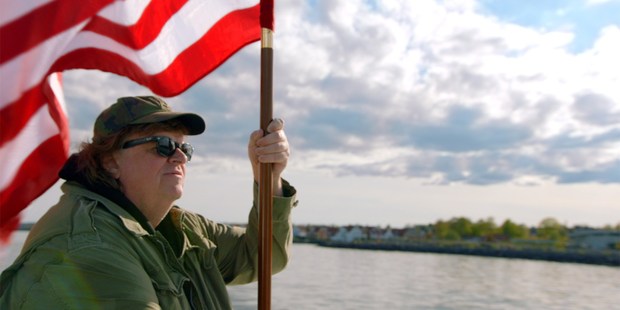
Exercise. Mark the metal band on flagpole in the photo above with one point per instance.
(265, 186)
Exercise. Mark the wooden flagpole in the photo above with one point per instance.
(265, 200)
(265, 187)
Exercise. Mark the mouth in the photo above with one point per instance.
(175, 173)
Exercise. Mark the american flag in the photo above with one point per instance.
(165, 45)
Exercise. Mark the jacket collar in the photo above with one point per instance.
(133, 219)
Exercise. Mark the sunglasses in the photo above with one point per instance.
(165, 146)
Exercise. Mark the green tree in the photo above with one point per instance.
(452, 235)
(484, 228)
(441, 229)
(514, 231)
(550, 229)
(444, 231)
(462, 226)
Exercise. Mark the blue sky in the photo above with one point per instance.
(584, 18)
(406, 112)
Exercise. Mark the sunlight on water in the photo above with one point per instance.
(328, 278)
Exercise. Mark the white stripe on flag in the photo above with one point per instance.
(39, 128)
(54, 81)
(125, 13)
(15, 9)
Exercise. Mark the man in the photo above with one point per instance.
(115, 239)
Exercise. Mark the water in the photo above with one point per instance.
(328, 278)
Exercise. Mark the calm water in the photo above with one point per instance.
(326, 278)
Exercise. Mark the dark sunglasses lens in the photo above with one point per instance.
(188, 149)
(165, 147)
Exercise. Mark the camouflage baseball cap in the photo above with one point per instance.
(143, 110)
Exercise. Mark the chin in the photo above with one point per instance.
(178, 192)
(172, 194)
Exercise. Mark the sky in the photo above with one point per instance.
(407, 112)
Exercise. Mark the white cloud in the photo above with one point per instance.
(598, 2)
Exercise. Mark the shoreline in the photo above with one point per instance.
(603, 258)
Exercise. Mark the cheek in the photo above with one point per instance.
(139, 171)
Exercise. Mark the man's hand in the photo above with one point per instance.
(272, 148)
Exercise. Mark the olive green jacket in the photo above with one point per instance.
(87, 252)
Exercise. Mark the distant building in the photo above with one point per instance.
(300, 232)
(418, 232)
(595, 239)
(345, 234)
(374, 233)
(388, 234)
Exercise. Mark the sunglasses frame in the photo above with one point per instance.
(163, 146)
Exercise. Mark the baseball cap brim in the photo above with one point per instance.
(193, 122)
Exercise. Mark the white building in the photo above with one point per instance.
(595, 239)
(345, 235)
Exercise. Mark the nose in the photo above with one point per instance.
(178, 156)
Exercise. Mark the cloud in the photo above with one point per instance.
(461, 131)
(599, 2)
(595, 109)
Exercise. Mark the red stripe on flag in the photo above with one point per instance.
(14, 117)
(43, 23)
(137, 36)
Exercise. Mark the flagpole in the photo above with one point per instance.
(265, 187)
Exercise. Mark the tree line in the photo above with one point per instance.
(460, 228)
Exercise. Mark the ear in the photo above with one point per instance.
(111, 166)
